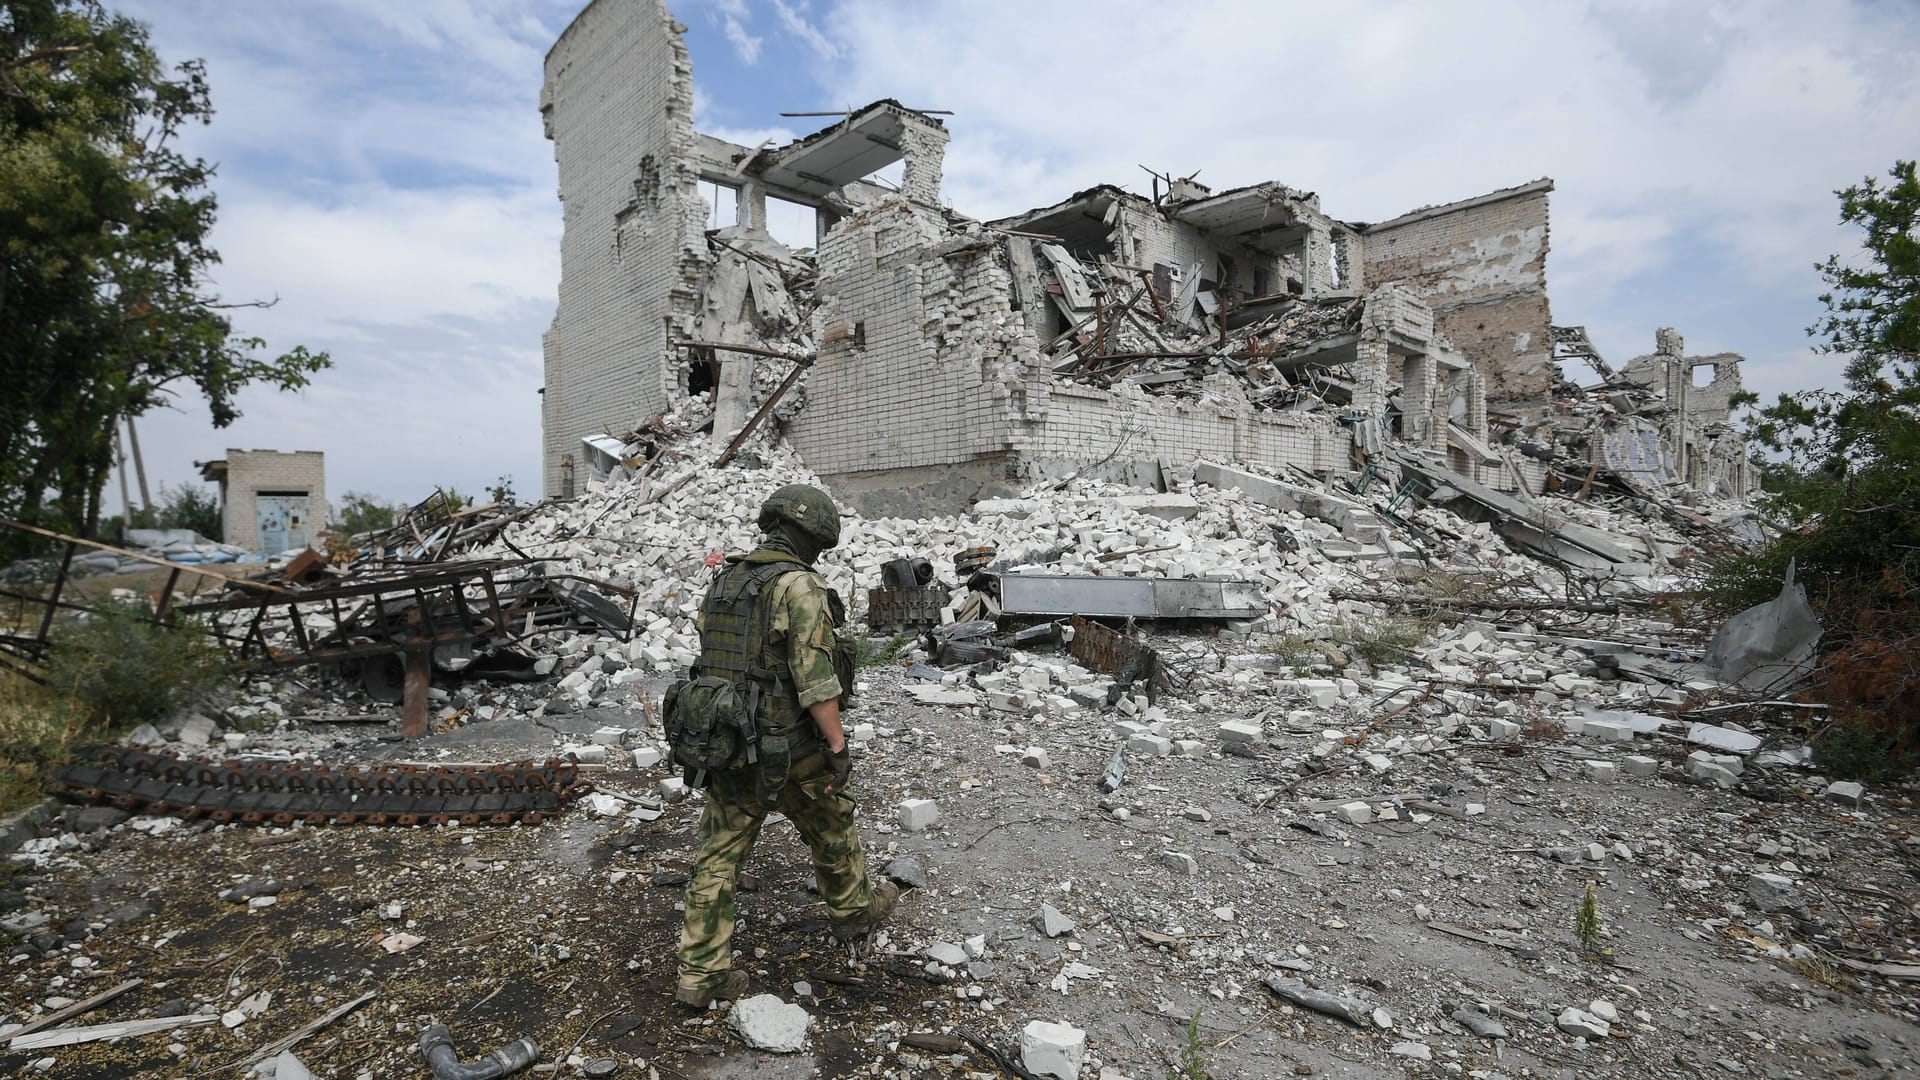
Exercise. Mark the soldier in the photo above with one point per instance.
(794, 663)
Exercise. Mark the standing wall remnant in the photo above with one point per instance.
(618, 104)
(1481, 264)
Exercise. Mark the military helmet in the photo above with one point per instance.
(805, 506)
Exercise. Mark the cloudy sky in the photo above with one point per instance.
(382, 171)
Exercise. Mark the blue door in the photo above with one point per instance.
(282, 517)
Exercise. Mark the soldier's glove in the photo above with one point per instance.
(839, 767)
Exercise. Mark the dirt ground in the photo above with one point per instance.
(565, 932)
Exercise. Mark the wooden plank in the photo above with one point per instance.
(288, 1042)
(77, 1008)
(127, 1029)
(1524, 951)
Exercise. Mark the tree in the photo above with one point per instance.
(190, 506)
(105, 310)
(363, 513)
(1849, 490)
(502, 491)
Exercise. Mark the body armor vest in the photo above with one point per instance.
(735, 620)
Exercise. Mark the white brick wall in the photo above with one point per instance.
(250, 472)
(618, 100)
(950, 372)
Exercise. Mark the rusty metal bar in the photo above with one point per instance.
(53, 601)
(765, 409)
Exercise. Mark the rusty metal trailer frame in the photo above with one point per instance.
(429, 605)
(406, 611)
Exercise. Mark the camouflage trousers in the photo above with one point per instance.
(728, 827)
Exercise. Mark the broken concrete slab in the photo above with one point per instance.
(1053, 1050)
(1353, 1011)
(767, 1023)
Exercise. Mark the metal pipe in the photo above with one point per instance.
(436, 1046)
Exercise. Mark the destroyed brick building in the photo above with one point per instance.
(1108, 333)
(270, 501)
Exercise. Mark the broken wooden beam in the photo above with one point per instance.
(76, 1008)
(751, 350)
(70, 1036)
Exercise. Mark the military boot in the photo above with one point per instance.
(885, 895)
(727, 989)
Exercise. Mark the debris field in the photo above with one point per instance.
(1344, 828)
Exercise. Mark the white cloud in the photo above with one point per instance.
(793, 17)
(745, 45)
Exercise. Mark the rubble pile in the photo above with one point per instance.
(1169, 342)
(1353, 825)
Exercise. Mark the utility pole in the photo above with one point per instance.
(139, 467)
(120, 462)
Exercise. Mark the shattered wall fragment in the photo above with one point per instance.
(1481, 264)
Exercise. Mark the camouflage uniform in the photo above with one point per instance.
(801, 633)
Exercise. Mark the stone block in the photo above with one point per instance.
(1846, 791)
(1638, 765)
(1502, 730)
(1240, 731)
(1149, 745)
(764, 1022)
(1608, 731)
(1179, 862)
(917, 815)
(1599, 770)
(1354, 813)
(1053, 1050)
(1325, 692)
(610, 736)
(1053, 922)
(646, 757)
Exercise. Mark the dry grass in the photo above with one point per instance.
(37, 730)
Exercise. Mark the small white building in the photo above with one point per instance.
(270, 501)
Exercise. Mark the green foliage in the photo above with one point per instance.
(1845, 484)
(1848, 487)
(189, 506)
(865, 655)
(1191, 1065)
(449, 500)
(118, 668)
(360, 512)
(36, 730)
(105, 307)
(1586, 926)
(502, 492)
(1378, 642)
(1852, 750)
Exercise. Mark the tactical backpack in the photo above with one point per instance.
(730, 714)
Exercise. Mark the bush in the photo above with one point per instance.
(190, 506)
(118, 668)
(1845, 489)
(1858, 749)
